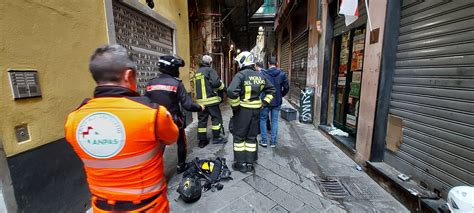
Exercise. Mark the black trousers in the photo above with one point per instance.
(245, 131)
(216, 119)
(182, 146)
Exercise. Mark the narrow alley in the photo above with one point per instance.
(104, 105)
(286, 178)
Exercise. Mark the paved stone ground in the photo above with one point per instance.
(285, 179)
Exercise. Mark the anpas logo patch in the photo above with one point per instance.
(101, 135)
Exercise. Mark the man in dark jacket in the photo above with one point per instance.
(279, 79)
(208, 91)
(168, 91)
(248, 92)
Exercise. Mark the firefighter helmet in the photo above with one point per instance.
(170, 64)
(190, 189)
(245, 59)
(206, 59)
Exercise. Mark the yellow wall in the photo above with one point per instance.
(56, 37)
(177, 12)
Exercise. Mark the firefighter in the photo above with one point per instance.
(246, 91)
(119, 136)
(209, 91)
(168, 91)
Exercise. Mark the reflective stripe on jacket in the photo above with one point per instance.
(120, 140)
(246, 88)
(206, 83)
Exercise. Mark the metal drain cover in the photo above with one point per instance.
(332, 187)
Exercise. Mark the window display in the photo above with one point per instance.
(351, 59)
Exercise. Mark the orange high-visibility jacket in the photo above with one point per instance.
(119, 137)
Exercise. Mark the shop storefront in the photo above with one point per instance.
(346, 73)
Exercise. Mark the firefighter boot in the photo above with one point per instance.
(250, 167)
(220, 139)
(240, 166)
(181, 168)
(203, 143)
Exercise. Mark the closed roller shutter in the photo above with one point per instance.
(433, 93)
(145, 37)
(299, 62)
(285, 55)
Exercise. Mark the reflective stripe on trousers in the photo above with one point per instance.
(239, 147)
(250, 147)
(243, 146)
(121, 163)
(216, 127)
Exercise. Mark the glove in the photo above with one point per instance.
(264, 104)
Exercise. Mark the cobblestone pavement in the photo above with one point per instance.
(286, 179)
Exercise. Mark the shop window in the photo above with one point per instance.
(349, 74)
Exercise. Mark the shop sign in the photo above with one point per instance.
(351, 120)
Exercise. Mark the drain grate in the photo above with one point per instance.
(332, 187)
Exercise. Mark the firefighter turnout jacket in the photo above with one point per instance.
(206, 83)
(246, 88)
(169, 91)
(120, 137)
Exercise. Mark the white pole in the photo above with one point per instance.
(368, 15)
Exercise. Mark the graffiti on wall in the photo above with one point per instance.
(306, 105)
(313, 55)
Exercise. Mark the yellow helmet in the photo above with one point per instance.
(244, 59)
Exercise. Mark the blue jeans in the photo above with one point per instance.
(274, 110)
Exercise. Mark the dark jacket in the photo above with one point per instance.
(169, 92)
(206, 83)
(247, 87)
(279, 79)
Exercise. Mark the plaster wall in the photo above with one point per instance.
(370, 81)
(56, 38)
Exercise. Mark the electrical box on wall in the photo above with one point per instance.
(24, 83)
(22, 133)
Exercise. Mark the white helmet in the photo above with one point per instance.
(244, 59)
(206, 59)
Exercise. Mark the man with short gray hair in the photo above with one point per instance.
(119, 136)
(208, 90)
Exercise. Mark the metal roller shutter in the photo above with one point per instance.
(433, 93)
(146, 38)
(299, 62)
(285, 55)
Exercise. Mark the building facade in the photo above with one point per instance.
(46, 47)
(393, 89)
